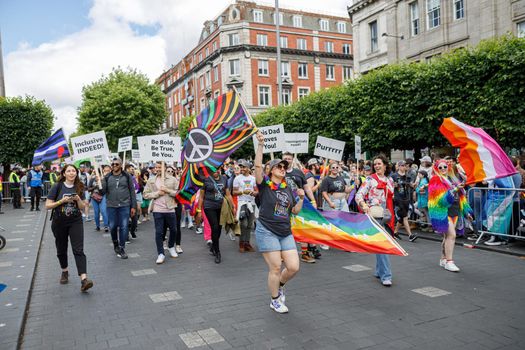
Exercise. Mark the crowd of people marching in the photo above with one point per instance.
(242, 198)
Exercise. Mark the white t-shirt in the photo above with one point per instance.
(243, 183)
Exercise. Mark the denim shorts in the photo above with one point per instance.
(270, 242)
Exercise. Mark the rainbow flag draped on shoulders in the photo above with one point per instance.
(213, 136)
(346, 231)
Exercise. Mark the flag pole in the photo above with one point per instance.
(244, 107)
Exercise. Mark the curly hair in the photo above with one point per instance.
(385, 162)
(79, 186)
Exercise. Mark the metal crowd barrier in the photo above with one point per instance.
(6, 190)
(498, 211)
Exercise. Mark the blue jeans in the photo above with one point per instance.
(383, 267)
(170, 219)
(100, 208)
(119, 219)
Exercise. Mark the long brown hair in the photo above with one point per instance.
(79, 186)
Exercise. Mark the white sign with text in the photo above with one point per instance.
(274, 139)
(90, 145)
(296, 142)
(125, 144)
(160, 148)
(357, 152)
(329, 148)
(135, 155)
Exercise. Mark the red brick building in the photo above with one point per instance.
(238, 48)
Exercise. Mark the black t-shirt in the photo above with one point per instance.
(66, 211)
(295, 179)
(333, 184)
(402, 189)
(275, 208)
(214, 192)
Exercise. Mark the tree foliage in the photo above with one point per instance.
(26, 123)
(402, 105)
(184, 126)
(122, 104)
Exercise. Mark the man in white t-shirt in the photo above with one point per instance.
(245, 188)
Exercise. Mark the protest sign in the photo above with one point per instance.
(125, 144)
(296, 142)
(357, 147)
(160, 148)
(273, 138)
(329, 148)
(90, 145)
(135, 155)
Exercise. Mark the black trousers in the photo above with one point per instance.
(15, 193)
(35, 193)
(214, 218)
(74, 231)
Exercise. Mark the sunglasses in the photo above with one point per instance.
(280, 166)
(169, 171)
(442, 167)
(334, 168)
(115, 164)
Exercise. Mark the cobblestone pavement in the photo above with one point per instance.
(191, 302)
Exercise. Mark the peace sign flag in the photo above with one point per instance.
(213, 136)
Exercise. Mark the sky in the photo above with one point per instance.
(53, 48)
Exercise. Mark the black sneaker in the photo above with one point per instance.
(412, 237)
(97, 228)
(106, 229)
(218, 257)
(32, 209)
(85, 285)
(133, 235)
(122, 254)
(64, 278)
(37, 209)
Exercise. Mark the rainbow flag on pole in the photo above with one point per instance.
(480, 155)
(346, 231)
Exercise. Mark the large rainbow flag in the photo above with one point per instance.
(346, 231)
(480, 155)
(213, 135)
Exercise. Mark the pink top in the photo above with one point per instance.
(159, 204)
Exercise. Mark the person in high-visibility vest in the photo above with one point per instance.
(14, 186)
(34, 179)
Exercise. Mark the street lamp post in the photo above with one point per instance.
(279, 73)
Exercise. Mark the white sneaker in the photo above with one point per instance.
(198, 230)
(183, 225)
(324, 247)
(450, 266)
(190, 225)
(160, 259)
(139, 222)
(278, 306)
(231, 235)
(442, 262)
(387, 283)
(173, 253)
(179, 250)
(209, 242)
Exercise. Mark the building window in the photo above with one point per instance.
(297, 21)
(203, 105)
(235, 67)
(201, 82)
(347, 49)
(303, 70)
(208, 79)
(169, 102)
(212, 27)
(285, 69)
(303, 92)
(301, 44)
(200, 57)
(521, 29)
(263, 67)
(216, 73)
(373, 36)
(341, 27)
(257, 16)
(214, 46)
(264, 96)
(233, 39)
(433, 13)
(207, 52)
(280, 19)
(324, 25)
(219, 21)
(459, 9)
(347, 72)
(262, 39)
(330, 72)
(284, 42)
(414, 18)
(286, 97)
(329, 46)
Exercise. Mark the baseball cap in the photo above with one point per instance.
(313, 161)
(243, 163)
(367, 168)
(426, 159)
(401, 162)
(275, 162)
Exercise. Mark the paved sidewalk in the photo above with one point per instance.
(17, 264)
(191, 302)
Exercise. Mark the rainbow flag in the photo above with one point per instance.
(346, 231)
(213, 136)
(480, 155)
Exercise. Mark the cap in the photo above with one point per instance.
(426, 159)
(276, 161)
(367, 168)
(243, 163)
(313, 161)
(401, 162)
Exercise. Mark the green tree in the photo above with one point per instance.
(184, 126)
(26, 123)
(122, 104)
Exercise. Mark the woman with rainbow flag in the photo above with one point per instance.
(448, 208)
(273, 232)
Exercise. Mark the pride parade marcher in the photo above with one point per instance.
(66, 199)
(375, 197)
(34, 179)
(245, 188)
(273, 232)
(448, 208)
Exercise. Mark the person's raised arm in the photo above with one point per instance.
(259, 175)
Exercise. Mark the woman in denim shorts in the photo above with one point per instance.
(273, 233)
